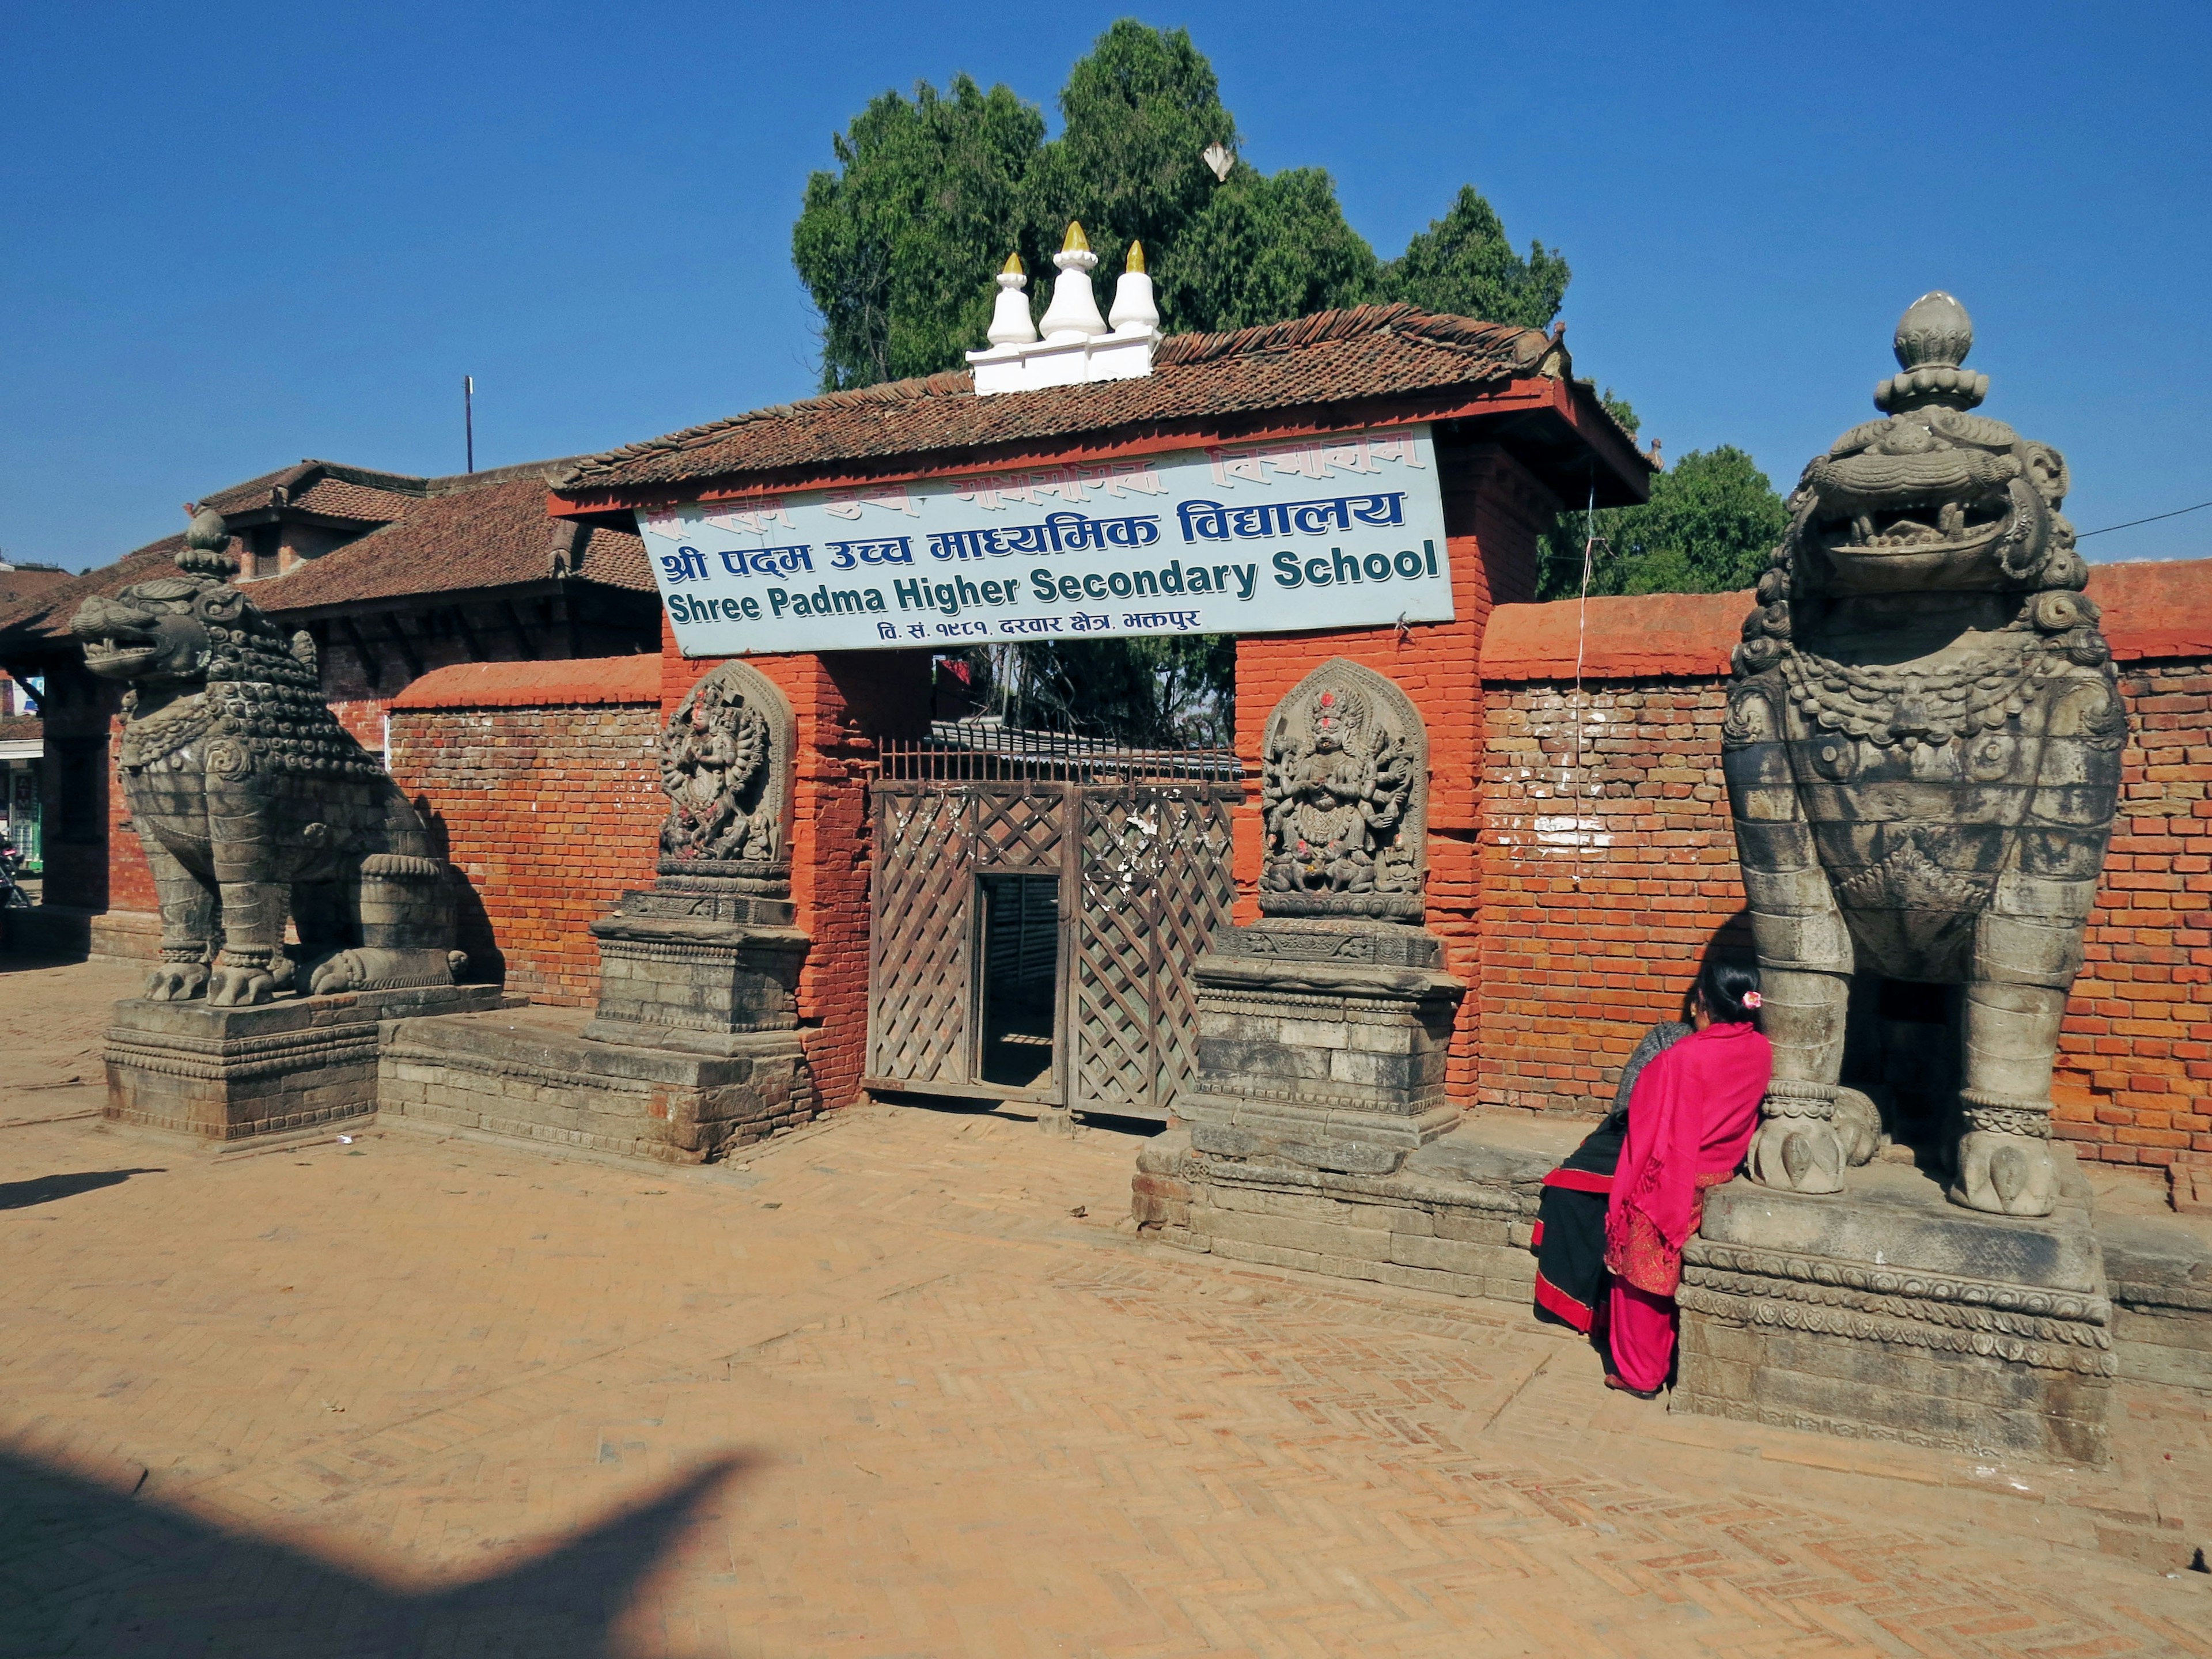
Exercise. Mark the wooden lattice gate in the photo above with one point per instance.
(1136, 846)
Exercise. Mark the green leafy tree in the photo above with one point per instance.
(1712, 518)
(1462, 263)
(1266, 248)
(897, 247)
(1138, 114)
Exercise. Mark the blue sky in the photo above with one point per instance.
(240, 234)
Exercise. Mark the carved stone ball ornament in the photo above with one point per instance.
(725, 767)
(1345, 793)
(253, 805)
(1923, 756)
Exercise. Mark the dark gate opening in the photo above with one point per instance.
(1019, 925)
(1038, 904)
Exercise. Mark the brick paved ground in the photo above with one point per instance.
(900, 1385)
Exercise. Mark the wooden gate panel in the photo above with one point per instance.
(1015, 827)
(1194, 894)
(1111, 1016)
(919, 966)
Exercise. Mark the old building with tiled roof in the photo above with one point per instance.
(394, 576)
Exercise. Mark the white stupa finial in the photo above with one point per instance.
(1010, 315)
(1078, 349)
(1134, 306)
(1073, 312)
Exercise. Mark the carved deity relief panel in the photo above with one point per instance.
(1345, 795)
(725, 759)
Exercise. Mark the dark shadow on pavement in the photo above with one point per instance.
(90, 1572)
(45, 1190)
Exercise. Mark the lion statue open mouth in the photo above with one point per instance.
(254, 806)
(1923, 756)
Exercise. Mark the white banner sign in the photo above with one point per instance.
(1339, 532)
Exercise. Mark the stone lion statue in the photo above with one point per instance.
(253, 805)
(1923, 756)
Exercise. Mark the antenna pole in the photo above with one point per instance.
(469, 416)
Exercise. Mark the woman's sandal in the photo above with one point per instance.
(1613, 1381)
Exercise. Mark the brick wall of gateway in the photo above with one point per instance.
(542, 782)
(1608, 861)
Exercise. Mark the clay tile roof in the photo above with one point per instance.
(496, 535)
(335, 498)
(254, 492)
(44, 617)
(2154, 609)
(24, 580)
(1336, 357)
(473, 530)
(634, 679)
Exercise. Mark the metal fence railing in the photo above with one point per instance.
(980, 751)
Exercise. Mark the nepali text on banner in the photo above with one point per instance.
(1345, 531)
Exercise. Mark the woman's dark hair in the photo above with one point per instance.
(1724, 985)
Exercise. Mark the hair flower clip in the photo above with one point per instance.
(1751, 998)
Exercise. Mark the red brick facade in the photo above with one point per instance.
(542, 782)
(1606, 872)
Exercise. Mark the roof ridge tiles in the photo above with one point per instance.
(1504, 348)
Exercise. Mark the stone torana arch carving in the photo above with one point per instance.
(1345, 798)
(725, 767)
(1923, 756)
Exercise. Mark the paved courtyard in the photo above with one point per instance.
(905, 1383)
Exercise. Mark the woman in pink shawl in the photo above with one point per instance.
(1689, 1122)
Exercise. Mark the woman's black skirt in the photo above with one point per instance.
(1570, 1228)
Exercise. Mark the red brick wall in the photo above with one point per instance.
(843, 702)
(1605, 879)
(1494, 511)
(548, 810)
(2135, 1073)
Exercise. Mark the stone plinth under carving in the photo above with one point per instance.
(1323, 1043)
(1323, 1030)
(1888, 1314)
(296, 1063)
(699, 962)
(694, 1048)
(535, 1077)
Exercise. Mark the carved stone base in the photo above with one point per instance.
(1454, 1218)
(230, 1073)
(1322, 1044)
(535, 1079)
(1888, 1313)
(697, 965)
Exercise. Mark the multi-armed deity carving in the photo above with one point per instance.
(1923, 753)
(726, 766)
(254, 805)
(707, 956)
(1344, 793)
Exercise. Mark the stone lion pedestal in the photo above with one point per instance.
(1888, 1313)
(1922, 757)
(303, 905)
(694, 1048)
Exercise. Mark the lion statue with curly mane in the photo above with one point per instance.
(254, 806)
(1923, 756)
